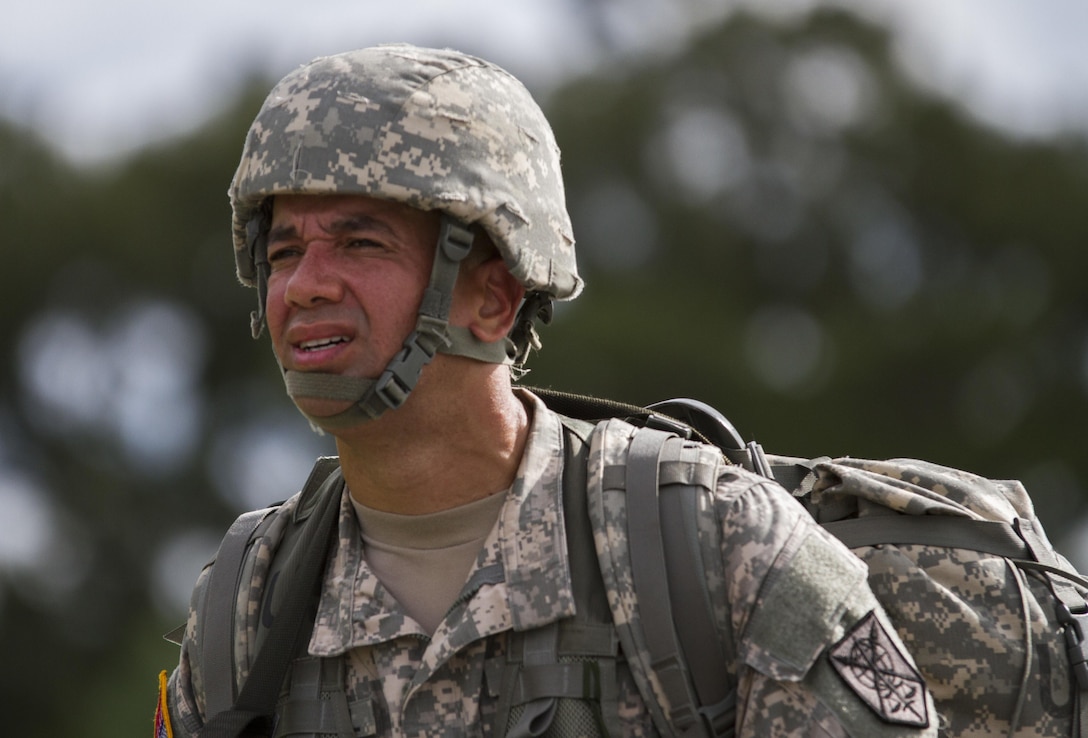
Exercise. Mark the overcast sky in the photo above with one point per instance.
(101, 77)
(98, 78)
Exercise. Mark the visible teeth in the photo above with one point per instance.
(321, 343)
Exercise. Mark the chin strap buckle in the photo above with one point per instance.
(400, 377)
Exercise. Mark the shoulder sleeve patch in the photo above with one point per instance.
(873, 667)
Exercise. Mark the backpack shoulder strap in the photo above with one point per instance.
(685, 645)
(564, 673)
(230, 715)
(686, 649)
(985, 536)
(674, 636)
(217, 612)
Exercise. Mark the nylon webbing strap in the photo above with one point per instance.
(592, 633)
(316, 705)
(217, 613)
(289, 630)
(1053, 571)
(537, 682)
(585, 407)
(399, 377)
(984, 536)
(648, 570)
(570, 680)
(589, 638)
(463, 342)
(703, 644)
(257, 244)
(1072, 614)
(326, 386)
(1043, 552)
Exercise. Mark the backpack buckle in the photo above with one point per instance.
(720, 719)
(1075, 626)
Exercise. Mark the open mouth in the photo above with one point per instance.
(322, 343)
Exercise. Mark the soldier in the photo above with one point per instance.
(451, 548)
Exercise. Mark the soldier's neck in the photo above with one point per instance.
(437, 452)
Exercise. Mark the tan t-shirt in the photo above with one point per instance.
(424, 560)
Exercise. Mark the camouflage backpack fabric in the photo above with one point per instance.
(993, 616)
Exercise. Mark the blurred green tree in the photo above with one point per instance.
(779, 222)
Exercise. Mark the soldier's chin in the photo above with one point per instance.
(319, 410)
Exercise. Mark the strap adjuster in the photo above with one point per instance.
(398, 379)
(720, 719)
(1075, 627)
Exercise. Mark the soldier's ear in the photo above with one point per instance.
(491, 296)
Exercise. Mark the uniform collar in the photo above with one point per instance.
(531, 527)
(520, 580)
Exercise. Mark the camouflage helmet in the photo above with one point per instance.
(433, 129)
(436, 130)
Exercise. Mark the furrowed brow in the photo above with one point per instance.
(353, 223)
(338, 227)
(281, 233)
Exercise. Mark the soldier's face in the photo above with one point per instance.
(347, 278)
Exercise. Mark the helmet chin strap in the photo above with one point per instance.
(432, 334)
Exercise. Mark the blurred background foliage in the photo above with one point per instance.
(772, 219)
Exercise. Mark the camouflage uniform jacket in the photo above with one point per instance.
(781, 583)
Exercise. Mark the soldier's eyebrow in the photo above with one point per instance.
(340, 226)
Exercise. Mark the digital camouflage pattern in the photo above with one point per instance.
(783, 589)
(961, 613)
(761, 547)
(433, 129)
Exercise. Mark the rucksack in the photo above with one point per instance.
(996, 619)
(687, 653)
